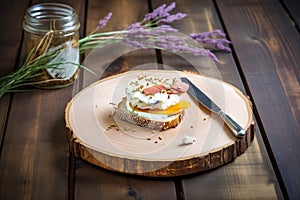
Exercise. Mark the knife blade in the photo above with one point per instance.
(195, 92)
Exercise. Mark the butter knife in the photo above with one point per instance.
(194, 91)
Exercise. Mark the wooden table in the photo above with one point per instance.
(264, 64)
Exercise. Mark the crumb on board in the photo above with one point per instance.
(126, 128)
(112, 125)
(188, 139)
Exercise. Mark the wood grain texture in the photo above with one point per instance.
(256, 154)
(293, 8)
(10, 40)
(229, 182)
(94, 183)
(272, 76)
(34, 157)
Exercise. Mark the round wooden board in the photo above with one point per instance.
(97, 136)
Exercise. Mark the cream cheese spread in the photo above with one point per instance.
(160, 100)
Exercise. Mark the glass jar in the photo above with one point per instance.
(52, 28)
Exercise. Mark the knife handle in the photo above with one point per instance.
(237, 130)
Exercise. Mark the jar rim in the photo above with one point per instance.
(35, 11)
(44, 16)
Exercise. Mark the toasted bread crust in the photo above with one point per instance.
(124, 114)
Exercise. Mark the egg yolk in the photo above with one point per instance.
(169, 111)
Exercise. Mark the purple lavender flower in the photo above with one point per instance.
(177, 44)
(160, 12)
(172, 18)
(135, 44)
(150, 34)
(216, 32)
(215, 37)
(155, 13)
(137, 31)
(162, 39)
(171, 39)
(134, 26)
(167, 28)
(104, 21)
(170, 7)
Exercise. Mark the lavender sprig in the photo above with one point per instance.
(160, 12)
(160, 40)
(172, 18)
(162, 15)
(215, 37)
(151, 33)
(104, 21)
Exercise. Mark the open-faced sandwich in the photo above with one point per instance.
(153, 102)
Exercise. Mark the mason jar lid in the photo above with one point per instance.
(43, 17)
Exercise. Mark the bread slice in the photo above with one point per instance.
(148, 119)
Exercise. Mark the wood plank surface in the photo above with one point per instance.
(34, 157)
(93, 182)
(270, 63)
(248, 177)
(293, 8)
(10, 40)
(253, 168)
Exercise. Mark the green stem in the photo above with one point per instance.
(101, 35)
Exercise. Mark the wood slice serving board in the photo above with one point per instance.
(100, 138)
